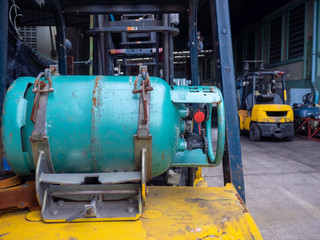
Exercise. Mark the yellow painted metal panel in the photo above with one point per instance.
(170, 213)
(259, 114)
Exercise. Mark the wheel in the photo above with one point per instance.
(242, 132)
(255, 132)
(290, 135)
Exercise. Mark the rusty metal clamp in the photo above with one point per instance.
(146, 80)
(47, 74)
(39, 88)
(143, 138)
(145, 86)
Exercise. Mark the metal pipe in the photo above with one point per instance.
(284, 89)
(91, 47)
(214, 40)
(102, 46)
(216, 160)
(3, 61)
(314, 50)
(253, 91)
(166, 66)
(97, 49)
(193, 41)
(91, 192)
(61, 37)
(171, 60)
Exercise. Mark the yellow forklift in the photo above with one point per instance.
(263, 109)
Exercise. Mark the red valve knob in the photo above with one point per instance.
(199, 117)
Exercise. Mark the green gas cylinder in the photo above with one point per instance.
(90, 122)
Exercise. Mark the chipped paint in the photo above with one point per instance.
(180, 218)
(94, 116)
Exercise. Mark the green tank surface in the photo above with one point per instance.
(90, 124)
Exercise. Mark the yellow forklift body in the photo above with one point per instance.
(264, 113)
(170, 213)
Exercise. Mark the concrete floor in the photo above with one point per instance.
(282, 184)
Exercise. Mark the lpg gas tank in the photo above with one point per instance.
(90, 122)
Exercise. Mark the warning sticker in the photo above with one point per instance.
(132, 28)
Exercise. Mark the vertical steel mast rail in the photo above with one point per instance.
(3, 61)
(232, 162)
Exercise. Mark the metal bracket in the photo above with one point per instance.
(39, 142)
(143, 139)
(139, 145)
(68, 200)
(42, 168)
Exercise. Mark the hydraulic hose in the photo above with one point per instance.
(216, 160)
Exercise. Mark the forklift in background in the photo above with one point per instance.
(262, 100)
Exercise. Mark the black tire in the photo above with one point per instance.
(290, 136)
(255, 132)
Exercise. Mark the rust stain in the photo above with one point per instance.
(94, 114)
(10, 136)
(19, 197)
(94, 99)
(245, 210)
(162, 155)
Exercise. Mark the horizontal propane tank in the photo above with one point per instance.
(90, 123)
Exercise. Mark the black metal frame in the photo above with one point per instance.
(259, 75)
(3, 62)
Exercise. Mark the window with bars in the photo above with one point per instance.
(296, 32)
(275, 39)
(239, 53)
(251, 45)
(29, 35)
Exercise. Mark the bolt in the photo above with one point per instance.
(130, 209)
(131, 200)
(22, 203)
(224, 31)
(54, 212)
(60, 202)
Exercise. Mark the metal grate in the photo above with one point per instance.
(29, 35)
(251, 45)
(296, 32)
(275, 40)
(277, 113)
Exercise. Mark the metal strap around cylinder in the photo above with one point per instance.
(215, 160)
